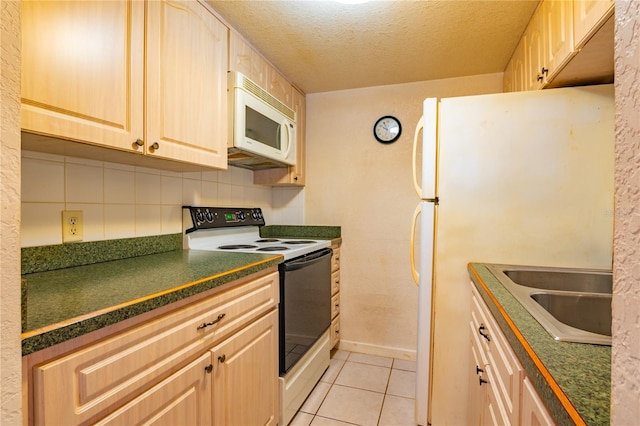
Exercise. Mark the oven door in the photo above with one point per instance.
(305, 304)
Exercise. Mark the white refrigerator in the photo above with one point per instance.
(515, 178)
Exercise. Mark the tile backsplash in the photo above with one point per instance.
(122, 201)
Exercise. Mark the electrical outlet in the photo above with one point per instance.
(72, 226)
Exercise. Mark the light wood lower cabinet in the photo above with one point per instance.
(245, 375)
(334, 331)
(196, 357)
(500, 391)
(184, 398)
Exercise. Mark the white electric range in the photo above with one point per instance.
(304, 311)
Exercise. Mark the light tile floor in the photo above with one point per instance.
(360, 389)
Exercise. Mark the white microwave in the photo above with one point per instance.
(262, 130)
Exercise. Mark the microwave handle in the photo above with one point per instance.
(286, 126)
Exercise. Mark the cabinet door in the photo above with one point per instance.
(477, 381)
(245, 59)
(534, 51)
(534, 413)
(82, 71)
(186, 82)
(558, 33)
(245, 375)
(588, 16)
(184, 398)
(279, 86)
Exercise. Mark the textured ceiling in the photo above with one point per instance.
(326, 45)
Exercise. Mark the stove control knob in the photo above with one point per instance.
(199, 216)
(208, 216)
(254, 215)
(259, 214)
(241, 215)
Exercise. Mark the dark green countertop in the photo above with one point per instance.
(74, 289)
(66, 303)
(573, 379)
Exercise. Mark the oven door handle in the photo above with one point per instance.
(307, 260)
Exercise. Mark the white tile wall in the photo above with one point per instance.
(121, 201)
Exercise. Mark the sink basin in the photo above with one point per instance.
(591, 282)
(573, 305)
(583, 311)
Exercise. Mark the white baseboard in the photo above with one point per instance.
(369, 349)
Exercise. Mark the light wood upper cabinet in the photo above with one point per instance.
(245, 59)
(588, 16)
(88, 66)
(558, 33)
(186, 107)
(534, 71)
(280, 87)
(567, 43)
(82, 71)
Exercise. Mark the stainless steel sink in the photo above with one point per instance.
(573, 305)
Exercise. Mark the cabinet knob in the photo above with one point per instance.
(481, 380)
(139, 142)
(209, 368)
(479, 370)
(544, 70)
(222, 358)
(155, 146)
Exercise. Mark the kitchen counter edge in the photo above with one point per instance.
(551, 365)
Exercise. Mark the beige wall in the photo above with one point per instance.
(625, 374)
(10, 371)
(366, 187)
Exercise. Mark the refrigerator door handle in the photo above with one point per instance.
(419, 127)
(414, 270)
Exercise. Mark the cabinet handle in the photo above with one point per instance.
(155, 146)
(482, 381)
(540, 78)
(139, 142)
(222, 358)
(544, 70)
(209, 368)
(207, 324)
(485, 335)
(479, 370)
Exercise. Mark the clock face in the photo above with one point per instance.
(387, 129)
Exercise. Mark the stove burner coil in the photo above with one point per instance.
(273, 249)
(298, 242)
(268, 240)
(236, 247)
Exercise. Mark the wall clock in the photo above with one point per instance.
(387, 129)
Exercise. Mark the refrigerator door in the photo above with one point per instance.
(425, 184)
(525, 178)
(425, 217)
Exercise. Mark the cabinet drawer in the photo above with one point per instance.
(507, 372)
(334, 331)
(335, 259)
(335, 282)
(335, 305)
(92, 380)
